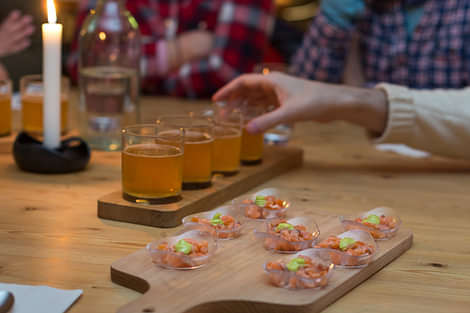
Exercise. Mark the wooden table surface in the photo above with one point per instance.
(50, 234)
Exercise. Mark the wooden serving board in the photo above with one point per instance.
(276, 161)
(234, 280)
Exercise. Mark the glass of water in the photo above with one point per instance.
(106, 101)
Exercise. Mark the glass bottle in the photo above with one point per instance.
(109, 61)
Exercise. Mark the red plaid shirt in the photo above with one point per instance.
(240, 29)
(436, 55)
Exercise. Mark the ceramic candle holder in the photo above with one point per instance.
(31, 155)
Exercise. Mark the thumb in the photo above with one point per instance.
(265, 121)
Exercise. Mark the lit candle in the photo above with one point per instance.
(52, 49)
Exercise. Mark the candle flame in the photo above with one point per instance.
(51, 12)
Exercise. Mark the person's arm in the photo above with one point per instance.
(322, 55)
(240, 38)
(437, 121)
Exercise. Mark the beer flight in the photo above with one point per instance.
(183, 152)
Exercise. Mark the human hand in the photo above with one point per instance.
(298, 99)
(343, 13)
(15, 31)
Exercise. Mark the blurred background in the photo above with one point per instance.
(293, 17)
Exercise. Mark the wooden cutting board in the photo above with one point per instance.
(234, 280)
(276, 160)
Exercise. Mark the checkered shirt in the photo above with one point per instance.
(436, 55)
(240, 27)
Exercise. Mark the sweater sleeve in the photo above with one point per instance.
(437, 121)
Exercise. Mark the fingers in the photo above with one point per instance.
(19, 46)
(21, 26)
(237, 87)
(266, 121)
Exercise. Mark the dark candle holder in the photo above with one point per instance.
(31, 155)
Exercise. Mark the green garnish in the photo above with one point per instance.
(217, 222)
(216, 219)
(260, 200)
(346, 242)
(295, 264)
(372, 219)
(282, 226)
(183, 246)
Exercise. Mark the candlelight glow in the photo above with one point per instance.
(51, 12)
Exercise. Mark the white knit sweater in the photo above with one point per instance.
(437, 121)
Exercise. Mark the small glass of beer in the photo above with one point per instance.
(152, 164)
(32, 95)
(5, 108)
(198, 142)
(252, 144)
(227, 142)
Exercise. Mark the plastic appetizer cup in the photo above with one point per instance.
(310, 268)
(351, 249)
(263, 204)
(190, 250)
(225, 222)
(288, 236)
(382, 223)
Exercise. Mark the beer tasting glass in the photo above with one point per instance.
(252, 144)
(152, 163)
(5, 108)
(227, 142)
(32, 95)
(198, 142)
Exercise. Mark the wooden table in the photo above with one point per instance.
(49, 232)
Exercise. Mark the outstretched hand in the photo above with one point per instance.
(295, 99)
(15, 32)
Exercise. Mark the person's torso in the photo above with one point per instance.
(166, 18)
(433, 56)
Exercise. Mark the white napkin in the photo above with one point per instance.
(403, 150)
(40, 299)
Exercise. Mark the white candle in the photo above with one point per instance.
(52, 53)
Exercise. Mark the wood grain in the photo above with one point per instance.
(236, 275)
(277, 160)
(50, 235)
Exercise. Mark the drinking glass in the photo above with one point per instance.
(252, 144)
(152, 163)
(5, 108)
(227, 142)
(280, 134)
(106, 104)
(198, 142)
(32, 95)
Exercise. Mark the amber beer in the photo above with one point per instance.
(32, 113)
(5, 115)
(152, 173)
(226, 150)
(252, 148)
(198, 142)
(197, 168)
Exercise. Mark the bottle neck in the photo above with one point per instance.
(110, 7)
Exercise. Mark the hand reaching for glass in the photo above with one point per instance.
(15, 32)
(296, 99)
